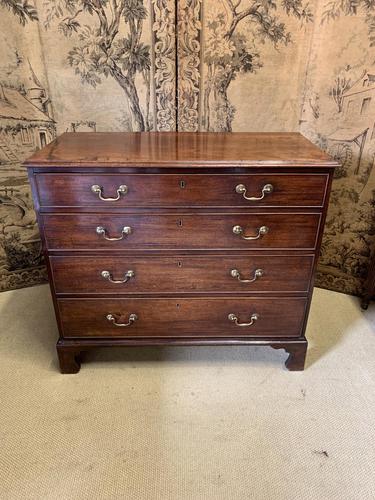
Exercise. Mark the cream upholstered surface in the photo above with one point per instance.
(188, 423)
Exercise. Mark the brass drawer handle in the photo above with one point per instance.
(124, 232)
(253, 318)
(123, 189)
(241, 189)
(261, 232)
(132, 318)
(258, 273)
(127, 276)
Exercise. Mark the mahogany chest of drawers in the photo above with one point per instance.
(181, 238)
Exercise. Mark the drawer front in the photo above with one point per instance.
(182, 317)
(198, 231)
(299, 190)
(181, 274)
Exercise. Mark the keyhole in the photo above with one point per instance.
(179, 223)
(177, 305)
(182, 184)
(179, 263)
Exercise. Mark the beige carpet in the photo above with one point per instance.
(188, 423)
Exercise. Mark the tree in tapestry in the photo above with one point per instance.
(228, 51)
(102, 51)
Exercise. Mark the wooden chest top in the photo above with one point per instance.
(185, 149)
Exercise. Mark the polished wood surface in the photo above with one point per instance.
(181, 204)
(193, 232)
(181, 274)
(106, 149)
(189, 190)
(191, 317)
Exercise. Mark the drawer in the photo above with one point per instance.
(182, 317)
(176, 231)
(181, 274)
(190, 190)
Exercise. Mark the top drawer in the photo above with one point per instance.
(179, 190)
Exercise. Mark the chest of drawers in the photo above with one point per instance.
(180, 238)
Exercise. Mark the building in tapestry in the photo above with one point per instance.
(25, 121)
(25, 126)
(354, 141)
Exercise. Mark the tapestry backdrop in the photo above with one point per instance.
(73, 65)
(289, 65)
(242, 65)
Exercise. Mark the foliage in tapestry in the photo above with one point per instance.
(102, 51)
(335, 8)
(24, 10)
(232, 47)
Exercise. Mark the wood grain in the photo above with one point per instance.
(144, 149)
(181, 274)
(184, 190)
(196, 231)
(203, 317)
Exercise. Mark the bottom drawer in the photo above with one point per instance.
(185, 317)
